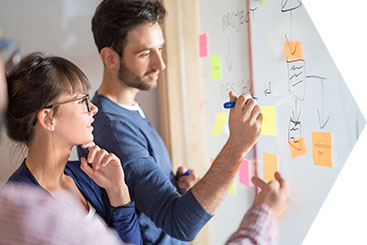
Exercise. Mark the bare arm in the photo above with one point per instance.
(244, 124)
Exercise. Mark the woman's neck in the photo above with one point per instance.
(47, 162)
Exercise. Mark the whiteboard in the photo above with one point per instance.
(225, 26)
(305, 91)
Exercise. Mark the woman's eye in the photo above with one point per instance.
(82, 101)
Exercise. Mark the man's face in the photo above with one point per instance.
(142, 57)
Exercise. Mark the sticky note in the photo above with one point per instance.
(203, 45)
(321, 149)
(218, 126)
(297, 147)
(268, 126)
(216, 67)
(226, 129)
(293, 51)
(261, 2)
(246, 172)
(232, 188)
(212, 159)
(269, 166)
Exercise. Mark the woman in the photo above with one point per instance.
(50, 112)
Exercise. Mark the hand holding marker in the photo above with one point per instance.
(229, 105)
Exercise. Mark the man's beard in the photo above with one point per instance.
(132, 80)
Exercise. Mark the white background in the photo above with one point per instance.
(343, 27)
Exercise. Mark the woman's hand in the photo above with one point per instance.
(105, 169)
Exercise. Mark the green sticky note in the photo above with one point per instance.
(268, 126)
(219, 123)
(232, 189)
(216, 67)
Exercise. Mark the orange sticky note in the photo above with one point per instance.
(212, 159)
(269, 166)
(297, 147)
(293, 51)
(246, 173)
(321, 149)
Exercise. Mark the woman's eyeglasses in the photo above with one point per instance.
(83, 100)
(9, 53)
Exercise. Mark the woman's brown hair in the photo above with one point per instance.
(38, 82)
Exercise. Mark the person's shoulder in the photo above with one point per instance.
(110, 110)
(21, 175)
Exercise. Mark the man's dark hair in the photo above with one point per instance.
(113, 20)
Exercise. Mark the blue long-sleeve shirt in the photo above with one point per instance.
(123, 220)
(163, 213)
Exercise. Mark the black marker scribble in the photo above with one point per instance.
(268, 90)
(252, 10)
(229, 60)
(290, 5)
(296, 78)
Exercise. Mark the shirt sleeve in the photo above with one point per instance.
(31, 216)
(181, 217)
(125, 222)
(257, 227)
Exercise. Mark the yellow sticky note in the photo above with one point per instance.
(261, 2)
(293, 51)
(232, 189)
(268, 126)
(216, 68)
(321, 149)
(218, 126)
(297, 147)
(269, 166)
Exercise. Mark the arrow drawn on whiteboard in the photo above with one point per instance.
(229, 60)
(268, 90)
(321, 115)
(290, 5)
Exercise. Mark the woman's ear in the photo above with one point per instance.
(110, 58)
(46, 119)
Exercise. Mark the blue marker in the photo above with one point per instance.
(187, 173)
(228, 105)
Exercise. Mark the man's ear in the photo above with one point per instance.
(110, 58)
(46, 119)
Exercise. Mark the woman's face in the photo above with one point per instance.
(73, 119)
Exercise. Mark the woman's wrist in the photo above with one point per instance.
(119, 196)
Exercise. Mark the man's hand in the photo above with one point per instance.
(244, 122)
(185, 179)
(274, 194)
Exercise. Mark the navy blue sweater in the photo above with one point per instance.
(123, 220)
(163, 213)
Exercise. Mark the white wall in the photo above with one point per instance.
(57, 27)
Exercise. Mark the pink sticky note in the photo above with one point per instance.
(246, 173)
(203, 45)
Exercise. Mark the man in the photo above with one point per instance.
(129, 38)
